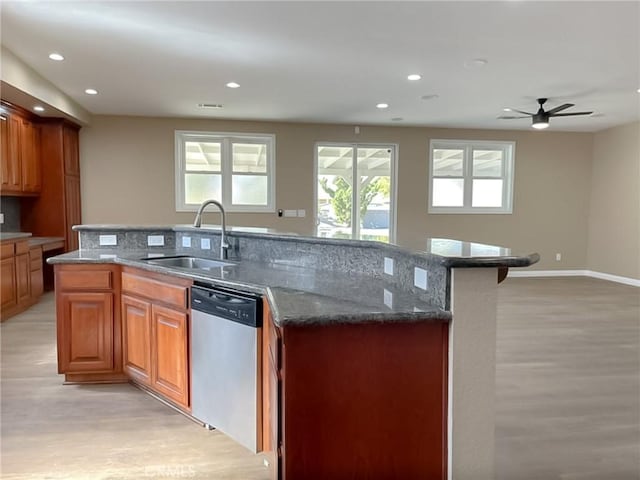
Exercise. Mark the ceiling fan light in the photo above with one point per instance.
(540, 121)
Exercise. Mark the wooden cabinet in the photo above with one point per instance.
(19, 291)
(23, 278)
(20, 173)
(170, 366)
(36, 272)
(271, 394)
(365, 401)
(11, 172)
(57, 209)
(136, 338)
(88, 323)
(73, 211)
(155, 315)
(9, 290)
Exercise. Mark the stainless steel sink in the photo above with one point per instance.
(192, 263)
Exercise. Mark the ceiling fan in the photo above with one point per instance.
(540, 119)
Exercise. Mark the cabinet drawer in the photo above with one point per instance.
(8, 249)
(173, 295)
(35, 253)
(22, 247)
(84, 279)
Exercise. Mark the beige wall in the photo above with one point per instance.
(614, 221)
(128, 177)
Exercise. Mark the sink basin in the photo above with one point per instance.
(192, 263)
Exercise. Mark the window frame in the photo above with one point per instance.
(355, 205)
(226, 139)
(468, 146)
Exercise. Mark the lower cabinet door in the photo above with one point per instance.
(170, 354)
(85, 332)
(8, 274)
(23, 277)
(136, 330)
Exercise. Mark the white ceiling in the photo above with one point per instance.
(334, 61)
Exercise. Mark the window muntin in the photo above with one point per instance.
(236, 169)
(470, 176)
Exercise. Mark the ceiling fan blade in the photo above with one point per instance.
(511, 117)
(560, 108)
(520, 111)
(571, 114)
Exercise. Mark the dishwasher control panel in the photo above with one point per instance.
(231, 305)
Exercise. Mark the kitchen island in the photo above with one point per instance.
(376, 362)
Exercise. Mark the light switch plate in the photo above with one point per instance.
(388, 266)
(106, 240)
(186, 241)
(420, 278)
(1, 218)
(205, 244)
(290, 213)
(302, 213)
(155, 240)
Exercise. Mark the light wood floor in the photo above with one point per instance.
(567, 399)
(568, 380)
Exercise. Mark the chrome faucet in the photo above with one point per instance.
(224, 246)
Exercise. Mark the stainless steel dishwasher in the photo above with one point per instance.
(224, 361)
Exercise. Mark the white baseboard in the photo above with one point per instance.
(574, 273)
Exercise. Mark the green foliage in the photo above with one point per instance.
(342, 193)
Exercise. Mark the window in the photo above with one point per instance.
(234, 168)
(362, 208)
(471, 176)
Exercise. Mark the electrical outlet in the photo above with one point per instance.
(558, 257)
(205, 244)
(388, 266)
(155, 240)
(106, 240)
(186, 242)
(290, 213)
(420, 278)
(302, 213)
(1, 218)
(388, 298)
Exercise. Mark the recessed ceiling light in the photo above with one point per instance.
(506, 109)
(476, 63)
(414, 76)
(431, 96)
(91, 91)
(56, 56)
(382, 105)
(209, 105)
(638, 90)
(233, 85)
(38, 108)
(397, 119)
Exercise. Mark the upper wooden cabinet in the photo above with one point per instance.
(30, 156)
(11, 170)
(58, 207)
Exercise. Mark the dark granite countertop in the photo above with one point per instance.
(297, 295)
(13, 236)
